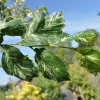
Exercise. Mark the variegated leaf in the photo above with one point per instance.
(42, 39)
(75, 36)
(15, 27)
(35, 23)
(54, 22)
(50, 65)
(90, 59)
(88, 39)
(15, 63)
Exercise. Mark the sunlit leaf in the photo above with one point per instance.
(90, 59)
(23, 0)
(50, 65)
(35, 23)
(42, 39)
(89, 38)
(42, 23)
(14, 27)
(54, 22)
(77, 36)
(44, 9)
(15, 63)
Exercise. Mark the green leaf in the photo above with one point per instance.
(3, 1)
(44, 30)
(89, 38)
(90, 59)
(33, 40)
(42, 39)
(1, 38)
(50, 65)
(15, 63)
(41, 23)
(76, 36)
(54, 22)
(36, 23)
(15, 27)
(43, 9)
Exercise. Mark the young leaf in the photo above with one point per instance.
(50, 65)
(54, 22)
(13, 27)
(43, 9)
(15, 63)
(89, 38)
(90, 59)
(42, 39)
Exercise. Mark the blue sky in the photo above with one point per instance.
(78, 14)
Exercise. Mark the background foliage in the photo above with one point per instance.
(43, 34)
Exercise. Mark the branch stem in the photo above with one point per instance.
(47, 45)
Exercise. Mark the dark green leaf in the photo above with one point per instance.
(1, 39)
(15, 63)
(3, 1)
(42, 39)
(41, 24)
(50, 65)
(44, 30)
(89, 38)
(13, 27)
(90, 59)
(36, 23)
(54, 22)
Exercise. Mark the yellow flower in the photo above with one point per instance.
(19, 97)
(29, 97)
(10, 96)
(36, 92)
(43, 95)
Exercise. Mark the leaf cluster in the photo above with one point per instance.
(40, 33)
